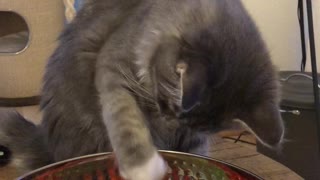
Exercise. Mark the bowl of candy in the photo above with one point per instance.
(102, 166)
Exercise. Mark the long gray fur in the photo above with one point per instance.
(112, 83)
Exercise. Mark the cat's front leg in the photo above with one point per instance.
(130, 138)
(154, 169)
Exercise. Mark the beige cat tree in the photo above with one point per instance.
(21, 72)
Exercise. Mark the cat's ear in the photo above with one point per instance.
(193, 78)
(266, 123)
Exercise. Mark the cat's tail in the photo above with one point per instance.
(22, 145)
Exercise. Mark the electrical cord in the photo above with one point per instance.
(300, 12)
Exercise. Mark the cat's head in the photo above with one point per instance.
(207, 81)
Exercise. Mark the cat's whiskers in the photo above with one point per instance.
(181, 71)
(173, 91)
(135, 86)
(146, 104)
(133, 80)
(136, 92)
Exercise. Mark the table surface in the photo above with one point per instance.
(249, 159)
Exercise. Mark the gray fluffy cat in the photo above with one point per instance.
(134, 76)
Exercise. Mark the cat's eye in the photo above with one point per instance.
(181, 68)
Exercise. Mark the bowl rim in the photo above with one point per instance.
(161, 152)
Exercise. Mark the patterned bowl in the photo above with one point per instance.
(101, 167)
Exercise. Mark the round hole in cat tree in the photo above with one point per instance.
(14, 32)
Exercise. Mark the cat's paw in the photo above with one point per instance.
(154, 169)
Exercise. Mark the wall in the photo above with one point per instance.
(278, 23)
(21, 73)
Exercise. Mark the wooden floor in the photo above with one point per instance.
(240, 154)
